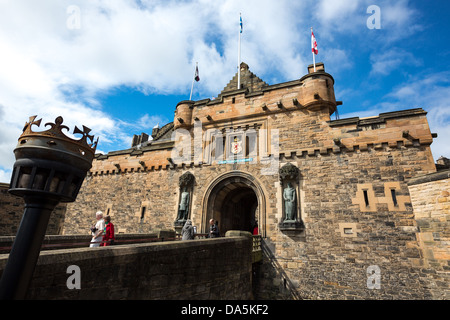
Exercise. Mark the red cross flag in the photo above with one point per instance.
(313, 43)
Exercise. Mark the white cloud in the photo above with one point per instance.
(383, 63)
(49, 69)
(147, 122)
(399, 14)
(5, 176)
(336, 12)
(349, 17)
(338, 60)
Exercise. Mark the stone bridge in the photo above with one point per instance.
(165, 268)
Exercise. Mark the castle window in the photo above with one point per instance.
(143, 209)
(348, 230)
(247, 146)
(232, 143)
(109, 210)
(251, 138)
(366, 198)
(218, 147)
(394, 197)
(213, 152)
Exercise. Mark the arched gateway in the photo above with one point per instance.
(237, 201)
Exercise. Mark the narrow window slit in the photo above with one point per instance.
(143, 209)
(394, 197)
(366, 198)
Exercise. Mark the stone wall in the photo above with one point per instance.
(11, 211)
(352, 192)
(430, 197)
(321, 262)
(197, 269)
(123, 196)
(343, 237)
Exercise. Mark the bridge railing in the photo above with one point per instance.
(256, 252)
(200, 235)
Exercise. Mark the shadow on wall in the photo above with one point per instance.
(274, 283)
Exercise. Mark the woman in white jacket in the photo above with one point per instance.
(97, 230)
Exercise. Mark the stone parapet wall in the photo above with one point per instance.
(56, 242)
(180, 270)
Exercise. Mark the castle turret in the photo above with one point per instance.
(155, 131)
(183, 114)
(318, 89)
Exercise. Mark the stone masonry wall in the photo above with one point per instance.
(177, 270)
(124, 194)
(343, 237)
(323, 261)
(11, 211)
(430, 197)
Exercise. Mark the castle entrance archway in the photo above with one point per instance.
(236, 201)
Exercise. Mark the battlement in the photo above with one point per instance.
(387, 131)
(257, 98)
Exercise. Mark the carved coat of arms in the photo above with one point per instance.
(236, 146)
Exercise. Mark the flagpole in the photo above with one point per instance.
(239, 52)
(312, 50)
(193, 79)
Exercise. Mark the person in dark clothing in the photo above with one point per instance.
(213, 229)
(188, 231)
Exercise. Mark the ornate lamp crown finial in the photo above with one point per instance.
(56, 132)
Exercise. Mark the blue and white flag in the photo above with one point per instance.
(240, 18)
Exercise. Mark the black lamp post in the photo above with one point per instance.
(50, 168)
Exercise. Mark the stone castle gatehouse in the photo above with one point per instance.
(330, 197)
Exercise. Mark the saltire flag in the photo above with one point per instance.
(314, 43)
(196, 76)
(240, 23)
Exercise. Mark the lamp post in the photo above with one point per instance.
(50, 168)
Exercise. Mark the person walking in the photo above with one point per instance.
(213, 229)
(108, 234)
(255, 230)
(97, 230)
(188, 231)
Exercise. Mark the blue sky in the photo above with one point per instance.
(120, 67)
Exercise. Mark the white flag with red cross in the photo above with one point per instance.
(314, 43)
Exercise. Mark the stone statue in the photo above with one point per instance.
(187, 233)
(184, 206)
(290, 202)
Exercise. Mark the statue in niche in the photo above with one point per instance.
(290, 203)
(183, 210)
